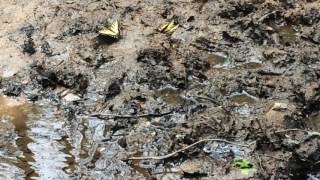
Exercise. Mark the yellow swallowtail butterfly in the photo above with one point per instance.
(111, 31)
(168, 27)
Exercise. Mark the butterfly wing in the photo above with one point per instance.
(168, 27)
(115, 27)
(112, 31)
(163, 27)
(108, 32)
(171, 27)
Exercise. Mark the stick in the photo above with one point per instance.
(208, 99)
(311, 133)
(113, 116)
(266, 15)
(269, 73)
(183, 149)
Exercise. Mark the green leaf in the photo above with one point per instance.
(245, 167)
(243, 164)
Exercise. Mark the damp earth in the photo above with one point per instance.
(232, 93)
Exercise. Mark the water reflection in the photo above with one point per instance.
(49, 153)
(70, 161)
(41, 149)
(243, 98)
(216, 59)
(17, 111)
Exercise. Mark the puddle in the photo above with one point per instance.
(18, 112)
(219, 60)
(70, 161)
(42, 147)
(243, 98)
(216, 59)
(244, 111)
(287, 35)
(170, 95)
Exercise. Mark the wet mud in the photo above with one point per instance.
(241, 77)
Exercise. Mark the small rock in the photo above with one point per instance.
(71, 97)
(122, 142)
(33, 97)
(199, 166)
(270, 83)
(276, 114)
(279, 106)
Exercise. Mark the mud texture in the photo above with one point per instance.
(77, 105)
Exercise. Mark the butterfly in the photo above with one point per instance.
(111, 31)
(168, 27)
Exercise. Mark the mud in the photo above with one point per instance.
(77, 105)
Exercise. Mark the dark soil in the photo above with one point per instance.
(243, 71)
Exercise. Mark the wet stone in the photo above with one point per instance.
(277, 113)
(243, 98)
(71, 97)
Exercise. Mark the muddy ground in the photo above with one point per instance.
(74, 105)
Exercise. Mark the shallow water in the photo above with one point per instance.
(170, 95)
(216, 59)
(40, 149)
(243, 98)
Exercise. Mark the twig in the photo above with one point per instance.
(113, 116)
(208, 99)
(266, 15)
(269, 73)
(166, 172)
(310, 133)
(259, 159)
(183, 149)
(316, 163)
(288, 130)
